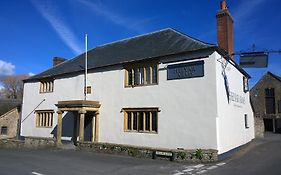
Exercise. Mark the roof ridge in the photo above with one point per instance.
(133, 37)
(192, 38)
(275, 76)
(10, 111)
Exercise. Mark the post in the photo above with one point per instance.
(97, 117)
(59, 127)
(273, 125)
(93, 128)
(81, 126)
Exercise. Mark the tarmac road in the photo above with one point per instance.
(261, 157)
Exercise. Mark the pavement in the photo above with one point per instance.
(260, 157)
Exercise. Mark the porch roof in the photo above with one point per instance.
(78, 105)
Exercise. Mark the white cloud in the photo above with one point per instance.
(49, 12)
(129, 23)
(31, 74)
(6, 68)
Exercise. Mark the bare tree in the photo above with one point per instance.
(13, 86)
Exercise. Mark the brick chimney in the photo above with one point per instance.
(58, 60)
(225, 29)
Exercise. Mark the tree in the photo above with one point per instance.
(12, 86)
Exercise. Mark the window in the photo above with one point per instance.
(246, 121)
(44, 119)
(4, 130)
(140, 75)
(269, 101)
(46, 86)
(141, 119)
(245, 84)
(88, 90)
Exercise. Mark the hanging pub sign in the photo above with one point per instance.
(185, 70)
(254, 59)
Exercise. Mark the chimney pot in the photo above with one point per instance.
(58, 60)
(223, 5)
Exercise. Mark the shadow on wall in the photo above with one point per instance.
(68, 126)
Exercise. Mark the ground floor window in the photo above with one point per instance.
(246, 121)
(141, 119)
(44, 119)
(4, 130)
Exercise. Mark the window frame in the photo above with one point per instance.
(269, 94)
(47, 121)
(141, 68)
(6, 130)
(245, 84)
(46, 86)
(143, 111)
(246, 121)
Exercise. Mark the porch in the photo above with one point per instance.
(80, 107)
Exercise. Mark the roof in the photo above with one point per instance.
(152, 45)
(275, 76)
(263, 77)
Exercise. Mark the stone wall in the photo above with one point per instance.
(258, 95)
(11, 121)
(259, 127)
(28, 143)
(198, 155)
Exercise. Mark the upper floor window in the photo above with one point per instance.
(141, 119)
(4, 130)
(138, 75)
(44, 119)
(269, 101)
(46, 86)
(245, 84)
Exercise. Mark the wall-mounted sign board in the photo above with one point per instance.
(185, 70)
(254, 59)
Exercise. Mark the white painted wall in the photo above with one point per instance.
(190, 117)
(230, 120)
(186, 120)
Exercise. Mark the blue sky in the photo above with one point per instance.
(32, 32)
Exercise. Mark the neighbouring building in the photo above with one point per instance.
(266, 101)
(163, 89)
(10, 123)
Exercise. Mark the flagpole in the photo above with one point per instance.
(86, 67)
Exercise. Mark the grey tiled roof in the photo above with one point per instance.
(148, 46)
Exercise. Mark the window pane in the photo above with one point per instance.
(130, 77)
(140, 121)
(135, 121)
(154, 121)
(147, 71)
(269, 92)
(141, 76)
(154, 74)
(4, 130)
(136, 76)
(246, 121)
(129, 120)
(147, 121)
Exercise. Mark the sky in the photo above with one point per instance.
(32, 32)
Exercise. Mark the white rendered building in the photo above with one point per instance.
(161, 90)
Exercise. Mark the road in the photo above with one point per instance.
(262, 156)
